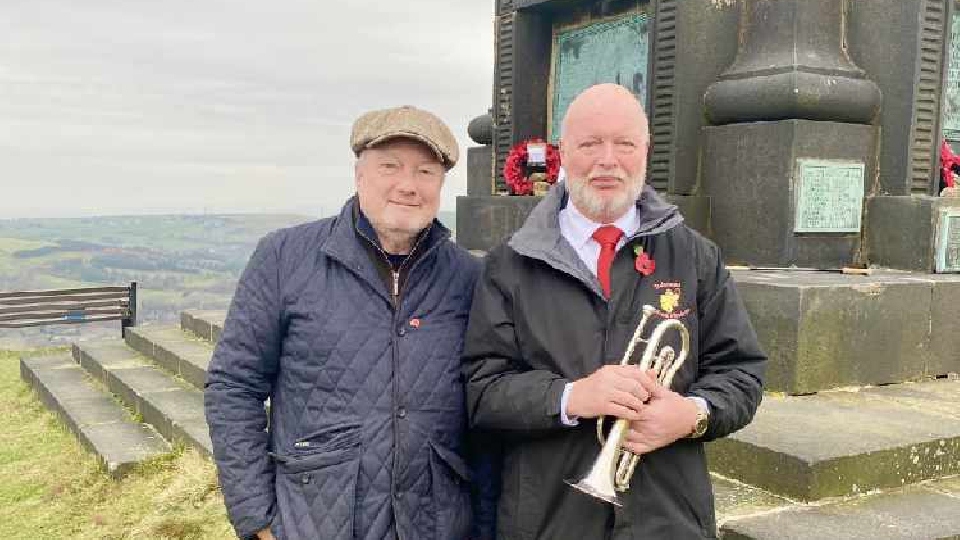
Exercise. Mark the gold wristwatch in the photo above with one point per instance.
(703, 419)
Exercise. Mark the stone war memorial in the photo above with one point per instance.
(814, 142)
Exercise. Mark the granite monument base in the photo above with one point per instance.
(752, 174)
(826, 330)
(903, 232)
(479, 171)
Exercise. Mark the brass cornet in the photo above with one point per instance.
(612, 470)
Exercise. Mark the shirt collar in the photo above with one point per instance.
(579, 228)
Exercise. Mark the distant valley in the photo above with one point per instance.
(179, 262)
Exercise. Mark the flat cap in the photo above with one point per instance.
(374, 127)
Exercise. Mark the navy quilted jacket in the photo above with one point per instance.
(367, 411)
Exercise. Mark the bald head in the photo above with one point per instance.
(603, 148)
(603, 101)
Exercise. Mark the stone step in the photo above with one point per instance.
(203, 324)
(827, 330)
(172, 406)
(100, 423)
(843, 443)
(173, 349)
(930, 511)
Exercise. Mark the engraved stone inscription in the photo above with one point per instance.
(829, 196)
(610, 51)
(948, 241)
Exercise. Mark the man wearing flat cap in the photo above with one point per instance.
(353, 326)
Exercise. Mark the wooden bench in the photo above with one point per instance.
(69, 306)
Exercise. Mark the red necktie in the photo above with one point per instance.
(607, 236)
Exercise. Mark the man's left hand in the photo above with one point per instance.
(667, 417)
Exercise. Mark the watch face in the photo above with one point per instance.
(701, 426)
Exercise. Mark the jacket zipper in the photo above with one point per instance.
(393, 343)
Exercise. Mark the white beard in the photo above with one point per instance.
(602, 209)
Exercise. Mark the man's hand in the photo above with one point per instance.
(612, 390)
(667, 416)
(266, 535)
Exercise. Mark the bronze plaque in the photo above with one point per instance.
(611, 51)
(948, 241)
(829, 196)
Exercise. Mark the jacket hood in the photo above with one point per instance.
(540, 237)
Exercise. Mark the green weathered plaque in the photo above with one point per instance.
(610, 51)
(829, 196)
(948, 241)
(951, 92)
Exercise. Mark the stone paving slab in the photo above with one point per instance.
(846, 442)
(938, 397)
(734, 500)
(204, 324)
(915, 513)
(171, 406)
(99, 422)
(949, 486)
(131, 383)
(174, 350)
(116, 350)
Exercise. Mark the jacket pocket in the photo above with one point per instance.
(316, 492)
(451, 479)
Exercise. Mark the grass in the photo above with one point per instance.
(52, 488)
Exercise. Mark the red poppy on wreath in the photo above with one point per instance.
(643, 263)
(520, 176)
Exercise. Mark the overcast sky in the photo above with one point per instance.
(133, 106)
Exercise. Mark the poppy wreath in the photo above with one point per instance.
(516, 172)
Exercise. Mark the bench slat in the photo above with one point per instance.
(27, 308)
(4, 302)
(59, 321)
(64, 314)
(62, 292)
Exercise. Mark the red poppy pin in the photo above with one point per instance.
(643, 263)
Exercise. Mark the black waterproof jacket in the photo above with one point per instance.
(539, 320)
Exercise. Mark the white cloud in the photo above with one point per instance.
(111, 106)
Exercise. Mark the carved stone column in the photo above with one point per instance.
(791, 155)
(792, 63)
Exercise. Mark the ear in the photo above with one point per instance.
(357, 171)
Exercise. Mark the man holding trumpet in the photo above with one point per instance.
(554, 311)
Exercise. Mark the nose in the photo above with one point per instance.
(607, 156)
(407, 183)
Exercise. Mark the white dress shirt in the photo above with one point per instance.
(578, 230)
